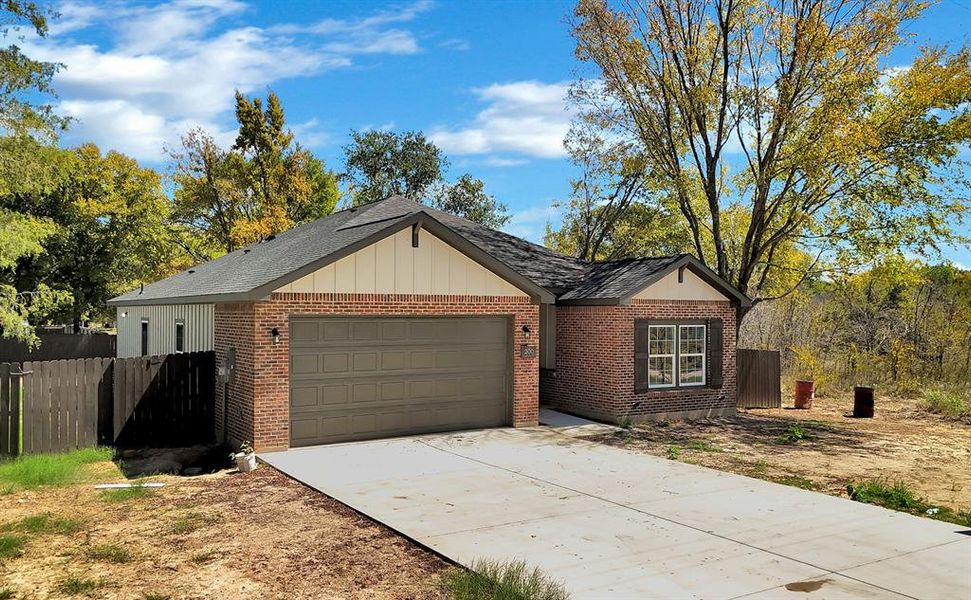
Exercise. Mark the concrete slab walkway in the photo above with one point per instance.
(614, 523)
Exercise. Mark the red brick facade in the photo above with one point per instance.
(259, 407)
(594, 373)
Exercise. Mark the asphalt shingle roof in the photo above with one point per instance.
(277, 257)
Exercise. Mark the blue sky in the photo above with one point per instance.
(485, 80)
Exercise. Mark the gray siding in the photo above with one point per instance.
(198, 319)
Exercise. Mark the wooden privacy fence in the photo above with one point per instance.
(164, 400)
(52, 406)
(59, 346)
(62, 400)
(759, 379)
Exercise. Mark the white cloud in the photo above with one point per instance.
(524, 117)
(457, 44)
(530, 223)
(498, 161)
(169, 66)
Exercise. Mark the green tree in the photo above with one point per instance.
(778, 117)
(384, 163)
(615, 210)
(109, 220)
(23, 79)
(467, 198)
(264, 184)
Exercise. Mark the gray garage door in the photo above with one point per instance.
(362, 377)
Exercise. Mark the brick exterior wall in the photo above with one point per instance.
(594, 374)
(258, 398)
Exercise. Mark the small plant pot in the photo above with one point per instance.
(805, 393)
(246, 462)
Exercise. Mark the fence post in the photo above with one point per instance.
(10, 387)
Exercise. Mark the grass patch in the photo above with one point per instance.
(157, 597)
(794, 434)
(202, 558)
(673, 452)
(490, 580)
(191, 521)
(897, 496)
(78, 586)
(11, 546)
(947, 404)
(797, 481)
(109, 553)
(702, 446)
(136, 492)
(6, 594)
(38, 470)
(45, 523)
(760, 467)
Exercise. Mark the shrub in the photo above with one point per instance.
(793, 435)
(491, 580)
(947, 404)
(674, 452)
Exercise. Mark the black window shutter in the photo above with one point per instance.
(715, 343)
(640, 355)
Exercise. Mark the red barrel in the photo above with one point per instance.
(805, 393)
(863, 402)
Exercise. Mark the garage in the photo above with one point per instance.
(358, 378)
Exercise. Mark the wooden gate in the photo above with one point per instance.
(759, 379)
(166, 400)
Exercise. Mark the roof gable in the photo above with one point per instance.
(255, 271)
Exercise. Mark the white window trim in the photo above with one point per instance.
(144, 349)
(179, 322)
(673, 357)
(703, 354)
(676, 357)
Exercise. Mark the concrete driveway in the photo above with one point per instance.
(614, 523)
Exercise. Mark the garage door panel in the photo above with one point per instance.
(365, 361)
(303, 397)
(371, 377)
(300, 365)
(304, 331)
(335, 363)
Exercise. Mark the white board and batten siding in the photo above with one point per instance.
(393, 266)
(692, 288)
(162, 319)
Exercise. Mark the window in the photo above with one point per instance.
(673, 354)
(660, 361)
(180, 336)
(691, 355)
(144, 337)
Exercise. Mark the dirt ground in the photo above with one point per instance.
(901, 443)
(226, 535)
